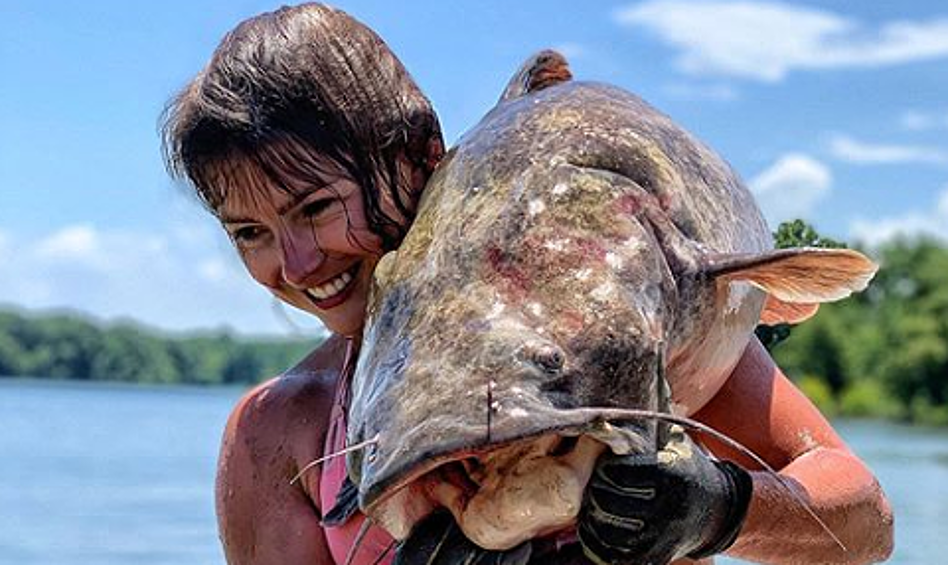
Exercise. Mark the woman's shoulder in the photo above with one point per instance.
(288, 414)
(306, 389)
(305, 392)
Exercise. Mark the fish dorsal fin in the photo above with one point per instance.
(797, 280)
(542, 70)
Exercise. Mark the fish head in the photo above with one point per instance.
(520, 306)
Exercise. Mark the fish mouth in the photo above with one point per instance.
(507, 492)
(474, 431)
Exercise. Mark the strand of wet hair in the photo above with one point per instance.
(638, 414)
(276, 305)
(340, 453)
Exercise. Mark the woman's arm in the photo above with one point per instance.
(759, 407)
(273, 431)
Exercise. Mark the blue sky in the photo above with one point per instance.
(831, 110)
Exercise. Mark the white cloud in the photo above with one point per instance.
(70, 243)
(914, 120)
(854, 151)
(177, 278)
(766, 40)
(791, 187)
(933, 223)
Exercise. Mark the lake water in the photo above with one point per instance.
(97, 474)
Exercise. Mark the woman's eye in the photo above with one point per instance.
(317, 207)
(247, 235)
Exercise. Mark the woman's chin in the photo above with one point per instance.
(346, 319)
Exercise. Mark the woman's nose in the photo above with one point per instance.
(302, 260)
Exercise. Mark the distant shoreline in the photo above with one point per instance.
(68, 347)
(18, 380)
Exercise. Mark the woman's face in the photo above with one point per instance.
(309, 245)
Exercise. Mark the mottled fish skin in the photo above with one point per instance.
(552, 258)
(576, 252)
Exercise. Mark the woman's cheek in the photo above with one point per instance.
(263, 269)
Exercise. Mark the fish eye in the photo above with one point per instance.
(549, 359)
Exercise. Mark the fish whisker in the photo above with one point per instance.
(341, 452)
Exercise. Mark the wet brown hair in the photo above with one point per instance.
(287, 88)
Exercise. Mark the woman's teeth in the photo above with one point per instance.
(330, 289)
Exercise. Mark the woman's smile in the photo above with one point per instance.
(335, 291)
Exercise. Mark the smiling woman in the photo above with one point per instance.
(310, 142)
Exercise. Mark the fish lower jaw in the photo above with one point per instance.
(517, 493)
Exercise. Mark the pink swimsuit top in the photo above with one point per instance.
(377, 547)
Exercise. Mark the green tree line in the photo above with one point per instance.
(880, 353)
(65, 346)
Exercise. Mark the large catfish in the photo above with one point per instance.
(576, 252)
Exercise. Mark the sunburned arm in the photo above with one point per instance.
(273, 431)
(761, 408)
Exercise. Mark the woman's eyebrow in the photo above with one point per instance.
(295, 201)
(227, 219)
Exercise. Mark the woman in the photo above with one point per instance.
(311, 144)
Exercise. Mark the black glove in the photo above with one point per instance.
(650, 509)
(437, 540)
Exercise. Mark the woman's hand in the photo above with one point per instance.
(654, 508)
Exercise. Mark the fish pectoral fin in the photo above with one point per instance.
(777, 311)
(542, 70)
(803, 275)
